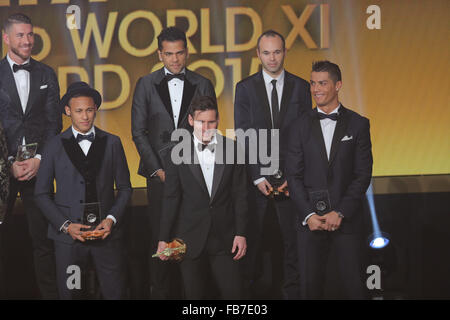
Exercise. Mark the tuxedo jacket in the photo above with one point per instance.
(61, 162)
(200, 220)
(152, 117)
(42, 117)
(252, 110)
(346, 175)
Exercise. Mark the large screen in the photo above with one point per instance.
(394, 57)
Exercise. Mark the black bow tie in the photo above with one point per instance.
(25, 66)
(332, 116)
(170, 76)
(202, 147)
(81, 137)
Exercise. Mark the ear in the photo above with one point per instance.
(6, 38)
(338, 85)
(190, 120)
(160, 55)
(67, 109)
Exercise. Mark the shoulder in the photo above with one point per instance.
(249, 79)
(42, 67)
(196, 77)
(296, 79)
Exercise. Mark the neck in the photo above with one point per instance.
(273, 74)
(330, 107)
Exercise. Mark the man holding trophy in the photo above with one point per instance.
(85, 216)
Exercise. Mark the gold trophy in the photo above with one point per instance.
(175, 250)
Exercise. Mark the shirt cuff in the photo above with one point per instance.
(304, 223)
(154, 173)
(112, 218)
(258, 181)
(38, 156)
(60, 229)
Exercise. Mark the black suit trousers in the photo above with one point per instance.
(315, 248)
(43, 250)
(165, 277)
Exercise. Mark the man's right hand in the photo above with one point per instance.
(19, 169)
(161, 175)
(162, 245)
(316, 222)
(265, 187)
(75, 231)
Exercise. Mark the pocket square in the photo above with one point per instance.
(43, 87)
(346, 138)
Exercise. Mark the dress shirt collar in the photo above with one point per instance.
(268, 78)
(11, 62)
(197, 141)
(168, 72)
(334, 111)
(76, 133)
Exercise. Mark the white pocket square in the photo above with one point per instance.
(43, 87)
(346, 138)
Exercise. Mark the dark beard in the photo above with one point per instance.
(16, 52)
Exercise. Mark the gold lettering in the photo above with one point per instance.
(46, 43)
(64, 71)
(298, 26)
(206, 45)
(192, 22)
(218, 74)
(231, 14)
(92, 28)
(123, 38)
(125, 84)
(324, 26)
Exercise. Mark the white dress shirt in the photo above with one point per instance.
(328, 126)
(269, 87)
(176, 95)
(85, 145)
(207, 159)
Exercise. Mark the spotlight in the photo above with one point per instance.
(378, 240)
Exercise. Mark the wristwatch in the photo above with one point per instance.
(340, 215)
(65, 227)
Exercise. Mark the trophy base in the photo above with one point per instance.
(93, 234)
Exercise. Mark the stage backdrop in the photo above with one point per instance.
(394, 57)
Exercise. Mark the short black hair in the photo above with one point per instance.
(203, 103)
(15, 18)
(327, 66)
(271, 33)
(171, 34)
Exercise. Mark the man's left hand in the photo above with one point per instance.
(239, 243)
(332, 221)
(31, 169)
(284, 189)
(106, 225)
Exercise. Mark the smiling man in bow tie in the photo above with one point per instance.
(86, 163)
(31, 116)
(329, 167)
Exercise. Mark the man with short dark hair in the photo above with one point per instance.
(31, 116)
(85, 163)
(205, 205)
(160, 105)
(270, 100)
(329, 167)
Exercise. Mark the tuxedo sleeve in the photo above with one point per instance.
(53, 112)
(139, 127)
(239, 194)
(121, 180)
(171, 202)
(243, 120)
(295, 168)
(43, 189)
(362, 173)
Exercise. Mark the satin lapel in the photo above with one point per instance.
(73, 151)
(287, 92)
(163, 91)
(97, 151)
(196, 170)
(219, 168)
(188, 93)
(339, 132)
(262, 97)
(35, 81)
(318, 137)
(9, 85)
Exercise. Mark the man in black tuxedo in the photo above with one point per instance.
(30, 116)
(329, 167)
(267, 100)
(160, 105)
(205, 205)
(86, 163)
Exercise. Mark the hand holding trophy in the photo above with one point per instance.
(175, 250)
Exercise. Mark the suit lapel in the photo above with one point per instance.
(97, 151)
(35, 77)
(9, 85)
(286, 97)
(196, 169)
(339, 131)
(318, 137)
(163, 90)
(188, 93)
(219, 166)
(73, 150)
(262, 96)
